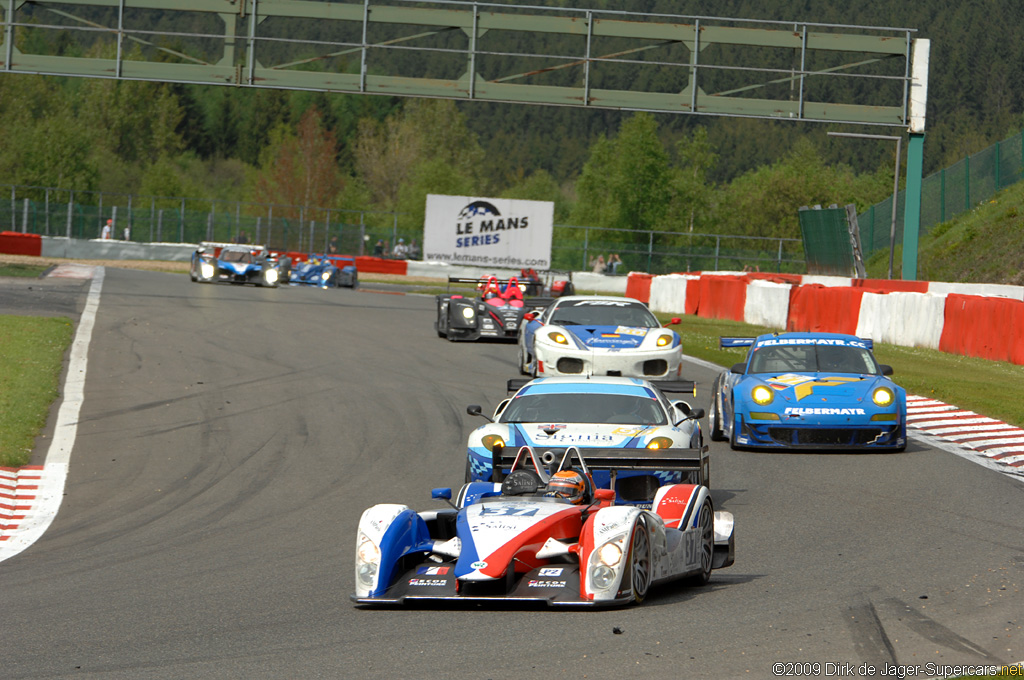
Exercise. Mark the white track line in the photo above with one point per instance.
(55, 470)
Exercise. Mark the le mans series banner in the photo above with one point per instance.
(490, 232)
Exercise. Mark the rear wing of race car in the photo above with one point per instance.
(523, 280)
(673, 386)
(671, 460)
(727, 342)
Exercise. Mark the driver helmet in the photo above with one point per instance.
(567, 484)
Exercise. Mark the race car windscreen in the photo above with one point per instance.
(604, 313)
(813, 359)
(236, 256)
(618, 409)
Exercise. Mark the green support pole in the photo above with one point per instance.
(912, 208)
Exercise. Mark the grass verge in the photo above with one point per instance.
(18, 269)
(31, 354)
(991, 388)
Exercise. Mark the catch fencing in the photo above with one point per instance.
(151, 219)
(947, 193)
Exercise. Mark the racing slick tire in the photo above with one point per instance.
(706, 526)
(716, 434)
(524, 361)
(469, 471)
(640, 563)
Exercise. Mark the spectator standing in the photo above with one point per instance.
(598, 264)
(378, 248)
(126, 234)
(332, 247)
(414, 250)
(107, 228)
(613, 264)
(401, 250)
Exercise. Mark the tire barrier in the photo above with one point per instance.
(978, 320)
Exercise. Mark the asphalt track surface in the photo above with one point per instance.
(231, 436)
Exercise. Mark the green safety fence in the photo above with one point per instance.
(947, 193)
(162, 220)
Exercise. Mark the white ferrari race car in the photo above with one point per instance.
(598, 335)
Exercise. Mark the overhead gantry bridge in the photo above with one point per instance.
(517, 54)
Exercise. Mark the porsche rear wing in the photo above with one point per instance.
(727, 342)
(673, 386)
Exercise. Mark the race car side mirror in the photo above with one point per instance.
(475, 410)
(529, 316)
(738, 368)
(886, 369)
(442, 494)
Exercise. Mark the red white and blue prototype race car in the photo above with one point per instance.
(536, 537)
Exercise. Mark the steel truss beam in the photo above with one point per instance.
(462, 51)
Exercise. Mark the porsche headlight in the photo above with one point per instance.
(664, 340)
(660, 443)
(558, 337)
(883, 396)
(762, 395)
(491, 440)
(468, 312)
(207, 270)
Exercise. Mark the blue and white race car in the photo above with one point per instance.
(808, 391)
(553, 414)
(543, 534)
(326, 271)
(598, 335)
(215, 262)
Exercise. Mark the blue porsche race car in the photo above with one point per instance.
(326, 271)
(808, 391)
(214, 262)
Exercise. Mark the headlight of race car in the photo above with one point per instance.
(558, 337)
(660, 443)
(883, 396)
(762, 395)
(606, 563)
(207, 270)
(270, 275)
(491, 440)
(664, 340)
(468, 312)
(367, 561)
(325, 275)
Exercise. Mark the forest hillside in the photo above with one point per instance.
(614, 170)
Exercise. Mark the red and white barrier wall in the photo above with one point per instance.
(980, 320)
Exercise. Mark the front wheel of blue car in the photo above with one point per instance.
(716, 434)
(640, 560)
